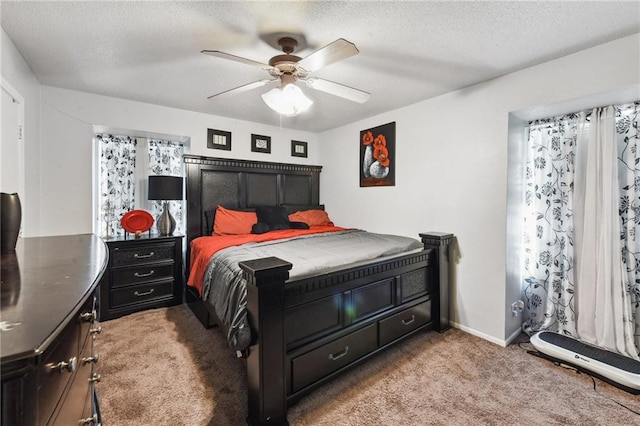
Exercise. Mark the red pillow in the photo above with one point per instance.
(233, 222)
(311, 217)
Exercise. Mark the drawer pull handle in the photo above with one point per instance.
(139, 275)
(88, 316)
(146, 293)
(94, 359)
(89, 420)
(95, 377)
(340, 354)
(409, 321)
(69, 366)
(143, 256)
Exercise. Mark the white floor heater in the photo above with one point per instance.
(620, 371)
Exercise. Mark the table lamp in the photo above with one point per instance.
(165, 188)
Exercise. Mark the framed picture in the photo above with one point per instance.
(377, 156)
(299, 149)
(261, 143)
(218, 139)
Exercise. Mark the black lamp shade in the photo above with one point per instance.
(165, 188)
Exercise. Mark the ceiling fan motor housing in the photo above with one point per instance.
(284, 60)
(287, 64)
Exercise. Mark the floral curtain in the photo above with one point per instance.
(628, 141)
(117, 181)
(548, 225)
(549, 240)
(165, 158)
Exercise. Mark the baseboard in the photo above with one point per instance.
(513, 336)
(500, 342)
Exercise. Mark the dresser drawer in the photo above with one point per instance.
(75, 407)
(57, 369)
(141, 293)
(326, 359)
(140, 274)
(403, 322)
(148, 253)
(87, 319)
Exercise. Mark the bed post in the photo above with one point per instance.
(439, 242)
(266, 361)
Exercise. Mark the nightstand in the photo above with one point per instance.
(142, 273)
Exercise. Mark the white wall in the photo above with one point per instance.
(68, 120)
(123, 114)
(17, 73)
(452, 170)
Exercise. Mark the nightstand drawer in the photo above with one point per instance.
(143, 254)
(141, 293)
(140, 274)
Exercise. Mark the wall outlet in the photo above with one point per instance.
(517, 307)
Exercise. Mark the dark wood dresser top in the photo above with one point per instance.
(43, 283)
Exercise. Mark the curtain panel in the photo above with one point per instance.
(581, 263)
(548, 239)
(627, 120)
(117, 181)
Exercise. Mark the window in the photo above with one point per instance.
(124, 164)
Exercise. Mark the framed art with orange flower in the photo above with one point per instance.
(377, 156)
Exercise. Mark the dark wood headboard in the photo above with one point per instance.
(244, 184)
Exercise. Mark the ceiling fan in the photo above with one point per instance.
(288, 68)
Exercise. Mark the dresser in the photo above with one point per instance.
(143, 273)
(48, 326)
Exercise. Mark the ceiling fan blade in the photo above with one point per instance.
(327, 55)
(235, 58)
(243, 88)
(337, 89)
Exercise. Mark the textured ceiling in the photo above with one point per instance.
(409, 51)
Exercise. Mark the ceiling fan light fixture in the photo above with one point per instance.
(289, 100)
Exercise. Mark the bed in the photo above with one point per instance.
(305, 326)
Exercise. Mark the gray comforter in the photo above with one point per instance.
(225, 288)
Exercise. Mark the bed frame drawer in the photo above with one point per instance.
(140, 274)
(141, 293)
(403, 322)
(326, 359)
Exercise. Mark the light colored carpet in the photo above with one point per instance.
(161, 367)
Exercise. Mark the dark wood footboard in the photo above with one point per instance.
(309, 330)
(313, 329)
